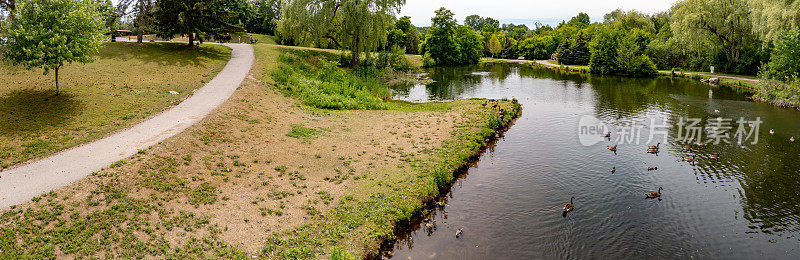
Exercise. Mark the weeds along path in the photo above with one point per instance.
(22, 183)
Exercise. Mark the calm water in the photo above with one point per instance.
(510, 204)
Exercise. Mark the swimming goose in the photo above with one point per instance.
(715, 156)
(652, 168)
(613, 169)
(612, 148)
(654, 147)
(569, 207)
(791, 139)
(458, 232)
(653, 151)
(689, 159)
(701, 144)
(607, 134)
(654, 194)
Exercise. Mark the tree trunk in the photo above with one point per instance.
(191, 39)
(356, 59)
(58, 90)
(139, 35)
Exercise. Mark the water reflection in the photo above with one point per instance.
(741, 205)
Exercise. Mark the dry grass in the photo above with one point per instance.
(128, 83)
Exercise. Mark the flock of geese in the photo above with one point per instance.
(654, 149)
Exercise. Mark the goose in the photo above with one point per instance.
(458, 232)
(689, 159)
(607, 134)
(569, 207)
(654, 194)
(654, 147)
(715, 156)
(612, 148)
(652, 168)
(653, 151)
(772, 131)
(484, 103)
(613, 169)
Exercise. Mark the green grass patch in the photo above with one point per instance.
(316, 80)
(127, 83)
(303, 132)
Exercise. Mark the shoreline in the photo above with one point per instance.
(403, 229)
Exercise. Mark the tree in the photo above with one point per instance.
(470, 45)
(726, 21)
(49, 33)
(358, 25)
(412, 40)
(8, 6)
(604, 51)
(582, 19)
(441, 44)
(785, 61)
(143, 19)
(190, 17)
(771, 18)
(475, 21)
(494, 45)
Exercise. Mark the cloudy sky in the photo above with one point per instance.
(527, 11)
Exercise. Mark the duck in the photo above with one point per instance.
(689, 159)
(654, 147)
(655, 194)
(653, 151)
(772, 131)
(612, 148)
(459, 232)
(652, 168)
(607, 134)
(569, 207)
(613, 169)
(715, 156)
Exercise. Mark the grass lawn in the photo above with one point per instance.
(128, 83)
(262, 176)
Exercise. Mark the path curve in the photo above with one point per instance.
(20, 184)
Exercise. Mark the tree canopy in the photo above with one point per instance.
(190, 17)
(357, 25)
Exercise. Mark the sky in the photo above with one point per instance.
(527, 11)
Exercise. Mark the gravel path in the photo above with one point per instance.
(20, 184)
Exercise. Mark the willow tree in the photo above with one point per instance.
(357, 25)
(727, 23)
(771, 18)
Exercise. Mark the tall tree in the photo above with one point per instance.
(49, 33)
(494, 45)
(143, 19)
(190, 17)
(441, 44)
(358, 25)
(726, 21)
(771, 18)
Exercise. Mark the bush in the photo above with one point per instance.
(604, 52)
(641, 66)
(779, 92)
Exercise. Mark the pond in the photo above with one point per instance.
(510, 203)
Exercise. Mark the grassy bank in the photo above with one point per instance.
(128, 83)
(265, 175)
